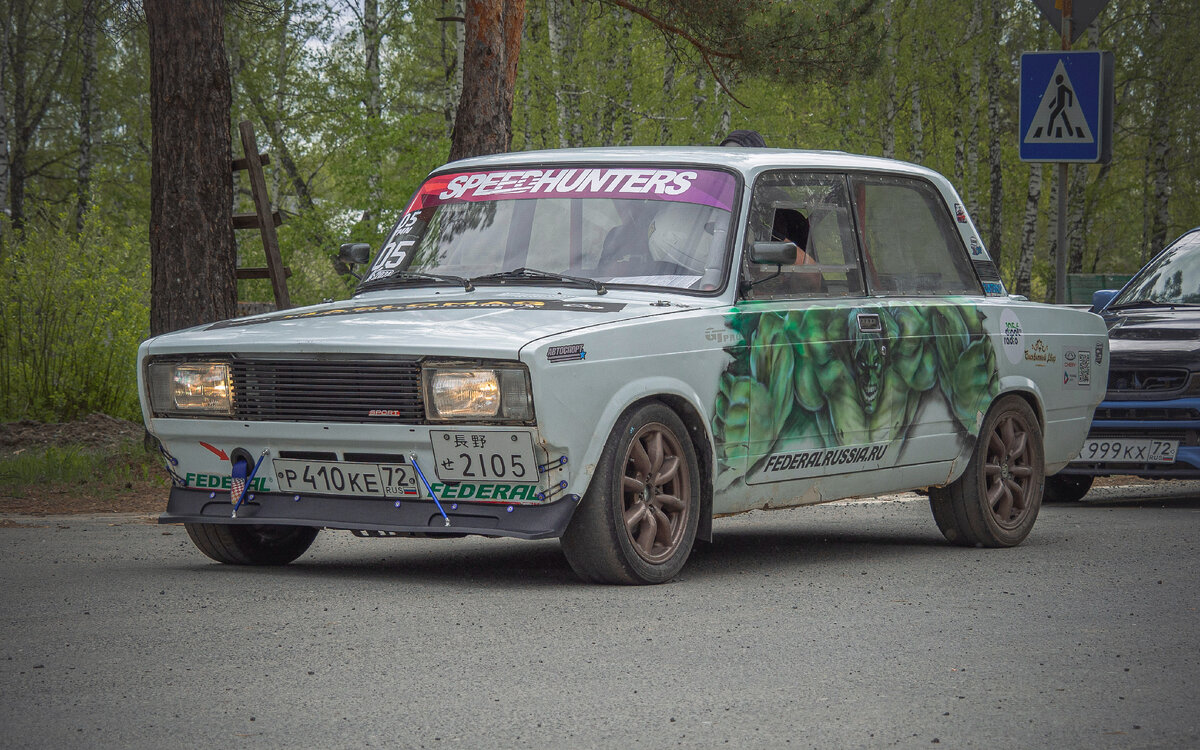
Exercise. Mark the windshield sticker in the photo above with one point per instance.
(809, 393)
(482, 304)
(1077, 367)
(705, 187)
(568, 353)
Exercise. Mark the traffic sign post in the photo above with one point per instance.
(1066, 116)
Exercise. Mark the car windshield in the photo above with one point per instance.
(636, 225)
(1172, 278)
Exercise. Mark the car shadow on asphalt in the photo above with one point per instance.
(515, 564)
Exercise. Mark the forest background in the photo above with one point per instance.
(355, 101)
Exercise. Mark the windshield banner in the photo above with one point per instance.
(705, 187)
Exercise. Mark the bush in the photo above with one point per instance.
(75, 308)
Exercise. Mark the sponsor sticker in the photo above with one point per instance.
(568, 353)
(1099, 352)
(222, 482)
(1039, 354)
(976, 246)
(1011, 336)
(1077, 367)
(992, 288)
(702, 186)
(484, 492)
(960, 213)
(783, 466)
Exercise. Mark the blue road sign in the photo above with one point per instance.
(1063, 103)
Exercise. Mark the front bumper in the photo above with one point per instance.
(1171, 419)
(408, 516)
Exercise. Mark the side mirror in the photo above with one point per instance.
(356, 253)
(773, 253)
(1101, 298)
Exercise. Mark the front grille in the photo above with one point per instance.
(1145, 382)
(1185, 437)
(328, 391)
(1145, 414)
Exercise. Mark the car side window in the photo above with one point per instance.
(910, 246)
(812, 211)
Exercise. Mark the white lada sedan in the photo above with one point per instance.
(615, 346)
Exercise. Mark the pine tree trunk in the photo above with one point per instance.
(995, 155)
(972, 177)
(1158, 148)
(555, 23)
(1077, 200)
(888, 136)
(4, 109)
(192, 257)
(87, 75)
(668, 96)
(918, 127)
(627, 108)
(374, 103)
(1023, 280)
(1052, 232)
(491, 52)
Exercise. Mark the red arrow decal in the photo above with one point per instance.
(220, 453)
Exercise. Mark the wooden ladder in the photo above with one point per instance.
(264, 218)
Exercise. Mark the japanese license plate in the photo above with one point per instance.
(474, 456)
(343, 478)
(1129, 450)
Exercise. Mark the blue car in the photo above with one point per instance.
(1149, 422)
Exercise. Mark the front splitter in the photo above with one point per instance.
(188, 505)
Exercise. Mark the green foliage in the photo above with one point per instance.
(75, 308)
(32, 470)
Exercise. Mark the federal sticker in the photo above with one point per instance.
(1077, 367)
(1012, 336)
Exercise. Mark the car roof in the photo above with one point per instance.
(746, 160)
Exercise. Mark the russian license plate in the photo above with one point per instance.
(474, 456)
(344, 478)
(1129, 450)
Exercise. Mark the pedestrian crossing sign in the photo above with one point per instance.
(1066, 106)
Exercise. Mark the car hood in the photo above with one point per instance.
(479, 324)
(1158, 337)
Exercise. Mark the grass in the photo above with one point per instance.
(35, 468)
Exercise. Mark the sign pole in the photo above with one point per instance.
(1060, 258)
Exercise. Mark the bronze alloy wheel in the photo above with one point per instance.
(655, 482)
(1008, 475)
(995, 502)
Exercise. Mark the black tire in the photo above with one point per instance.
(1067, 488)
(996, 500)
(638, 520)
(251, 544)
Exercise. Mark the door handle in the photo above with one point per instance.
(869, 323)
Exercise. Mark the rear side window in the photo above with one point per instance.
(910, 245)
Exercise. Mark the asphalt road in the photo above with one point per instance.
(847, 625)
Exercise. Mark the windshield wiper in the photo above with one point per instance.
(416, 276)
(533, 273)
